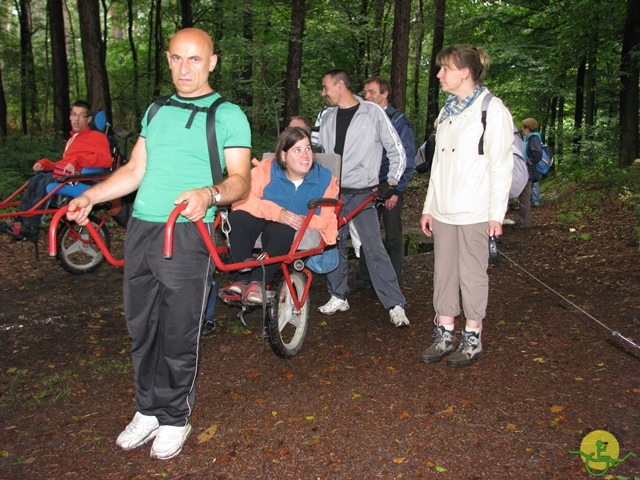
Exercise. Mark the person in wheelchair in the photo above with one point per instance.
(86, 148)
(276, 208)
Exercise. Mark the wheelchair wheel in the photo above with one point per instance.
(287, 326)
(77, 252)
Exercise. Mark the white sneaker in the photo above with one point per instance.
(141, 429)
(169, 441)
(397, 316)
(334, 305)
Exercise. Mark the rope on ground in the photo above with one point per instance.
(614, 333)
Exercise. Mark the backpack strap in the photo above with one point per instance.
(483, 119)
(212, 143)
(155, 106)
(394, 115)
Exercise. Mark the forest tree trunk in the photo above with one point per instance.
(294, 61)
(97, 80)
(28, 87)
(629, 75)
(60, 66)
(434, 85)
(400, 57)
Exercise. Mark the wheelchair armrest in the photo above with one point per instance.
(121, 133)
(315, 202)
(87, 173)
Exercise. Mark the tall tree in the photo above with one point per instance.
(417, 64)
(60, 65)
(434, 84)
(400, 57)
(134, 60)
(187, 13)
(3, 112)
(377, 38)
(579, 111)
(590, 84)
(28, 87)
(294, 61)
(246, 95)
(96, 77)
(218, 15)
(629, 75)
(158, 57)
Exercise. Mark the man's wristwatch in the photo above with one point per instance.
(218, 196)
(214, 194)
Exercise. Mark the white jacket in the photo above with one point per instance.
(467, 188)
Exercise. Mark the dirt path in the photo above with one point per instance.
(357, 403)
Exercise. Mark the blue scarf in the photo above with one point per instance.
(452, 107)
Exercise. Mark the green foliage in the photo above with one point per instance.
(535, 48)
(23, 389)
(101, 367)
(18, 155)
(594, 155)
(568, 218)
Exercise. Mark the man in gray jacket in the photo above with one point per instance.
(359, 131)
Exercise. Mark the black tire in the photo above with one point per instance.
(287, 328)
(77, 252)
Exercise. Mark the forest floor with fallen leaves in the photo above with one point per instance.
(356, 403)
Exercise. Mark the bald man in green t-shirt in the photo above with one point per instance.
(164, 300)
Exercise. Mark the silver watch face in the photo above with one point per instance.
(217, 197)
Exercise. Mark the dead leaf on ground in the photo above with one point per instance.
(208, 434)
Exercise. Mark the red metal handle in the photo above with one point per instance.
(53, 238)
(168, 230)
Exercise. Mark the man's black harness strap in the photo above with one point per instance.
(212, 143)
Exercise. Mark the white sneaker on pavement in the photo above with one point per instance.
(141, 429)
(334, 305)
(398, 317)
(169, 441)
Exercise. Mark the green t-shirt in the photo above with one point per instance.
(178, 157)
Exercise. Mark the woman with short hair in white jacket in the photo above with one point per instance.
(466, 201)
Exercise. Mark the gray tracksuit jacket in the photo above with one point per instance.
(369, 133)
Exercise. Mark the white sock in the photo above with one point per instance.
(449, 328)
(474, 330)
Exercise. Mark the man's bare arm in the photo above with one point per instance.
(124, 180)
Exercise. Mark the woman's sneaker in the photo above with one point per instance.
(443, 345)
(253, 293)
(233, 291)
(469, 351)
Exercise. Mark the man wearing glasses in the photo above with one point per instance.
(86, 148)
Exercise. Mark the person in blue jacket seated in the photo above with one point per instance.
(276, 207)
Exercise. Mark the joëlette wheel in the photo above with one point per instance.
(77, 251)
(286, 325)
